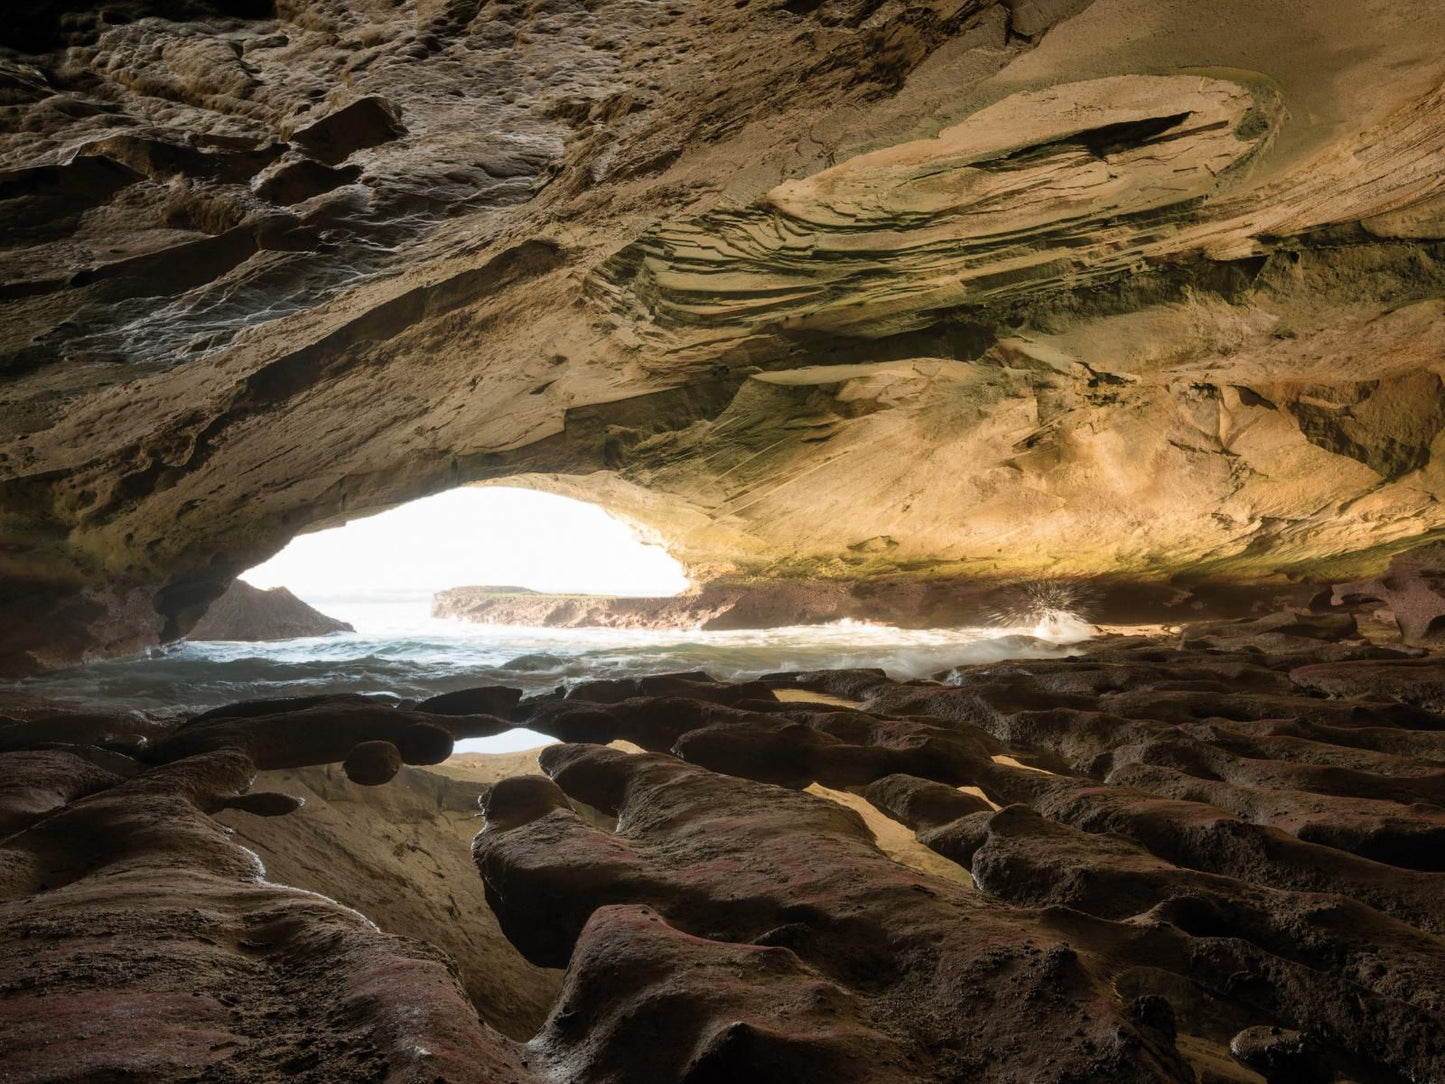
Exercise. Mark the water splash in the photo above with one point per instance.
(1057, 606)
(403, 653)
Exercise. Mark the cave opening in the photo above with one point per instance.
(520, 589)
(380, 573)
(386, 578)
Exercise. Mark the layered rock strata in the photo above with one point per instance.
(1209, 860)
(985, 290)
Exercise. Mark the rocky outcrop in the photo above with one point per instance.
(249, 613)
(906, 601)
(1134, 308)
(987, 291)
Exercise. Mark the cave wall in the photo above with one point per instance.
(972, 289)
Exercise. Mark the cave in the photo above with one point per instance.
(1040, 405)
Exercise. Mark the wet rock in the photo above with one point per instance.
(654, 723)
(127, 735)
(325, 733)
(534, 662)
(1034, 861)
(728, 1011)
(1173, 852)
(497, 700)
(34, 782)
(1275, 634)
(400, 855)
(547, 877)
(276, 705)
(425, 743)
(846, 684)
(695, 686)
(149, 911)
(1199, 836)
(1408, 681)
(920, 803)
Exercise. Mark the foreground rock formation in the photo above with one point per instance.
(1144, 292)
(1211, 860)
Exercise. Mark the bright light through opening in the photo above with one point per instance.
(476, 535)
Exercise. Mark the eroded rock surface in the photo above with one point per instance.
(1184, 863)
(139, 941)
(1187, 867)
(1412, 591)
(400, 854)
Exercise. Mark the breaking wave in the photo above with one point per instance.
(401, 653)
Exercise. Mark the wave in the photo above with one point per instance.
(401, 653)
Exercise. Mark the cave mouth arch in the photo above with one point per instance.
(472, 535)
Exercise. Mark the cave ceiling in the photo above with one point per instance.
(843, 289)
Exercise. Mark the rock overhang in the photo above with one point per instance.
(1198, 307)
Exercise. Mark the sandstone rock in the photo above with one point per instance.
(932, 313)
(729, 1011)
(400, 855)
(325, 733)
(365, 122)
(34, 782)
(1204, 872)
(922, 804)
(1410, 681)
(1273, 634)
(834, 867)
(1280, 1055)
(425, 743)
(275, 705)
(693, 686)
(149, 912)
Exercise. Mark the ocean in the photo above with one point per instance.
(400, 651)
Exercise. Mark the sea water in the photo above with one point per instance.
(400, 652)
